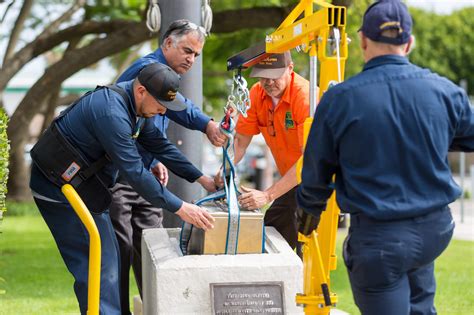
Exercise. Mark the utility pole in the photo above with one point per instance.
(188, 141)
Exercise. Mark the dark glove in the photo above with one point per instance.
(307, 223)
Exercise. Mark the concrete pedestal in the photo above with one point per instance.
(173, 284)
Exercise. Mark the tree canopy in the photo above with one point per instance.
(83, 33)
(445, 43)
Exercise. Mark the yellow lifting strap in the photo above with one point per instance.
(322, 34)
(93, 288)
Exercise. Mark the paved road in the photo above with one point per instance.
(464, 229)
(463, 212)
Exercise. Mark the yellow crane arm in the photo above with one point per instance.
(321, 34)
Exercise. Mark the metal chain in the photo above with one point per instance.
(239, 97)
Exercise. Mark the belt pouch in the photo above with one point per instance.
(62, 164)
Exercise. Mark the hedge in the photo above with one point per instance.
(4, 149)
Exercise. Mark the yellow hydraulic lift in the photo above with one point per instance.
(322, 35)
(93, 287)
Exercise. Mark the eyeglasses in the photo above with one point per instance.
(271, 126)
(181, 27)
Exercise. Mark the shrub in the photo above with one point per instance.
(4, 149)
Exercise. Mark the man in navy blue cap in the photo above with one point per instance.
(385, 135)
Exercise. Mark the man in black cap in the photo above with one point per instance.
(99, 133)
(385, 135)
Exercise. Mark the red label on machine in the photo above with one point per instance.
(70, 172)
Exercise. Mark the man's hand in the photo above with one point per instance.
(214, 134)
(195, 215)
(161, 173)
(207, 183)
(218, 181)
(253, 199)
(307, 223)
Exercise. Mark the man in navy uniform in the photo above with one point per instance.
(101, 123)
(385, 135)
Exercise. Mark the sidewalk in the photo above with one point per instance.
(464, 230)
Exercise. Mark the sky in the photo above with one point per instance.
(440, 6)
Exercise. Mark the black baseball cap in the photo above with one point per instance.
(386, 15)
(271, 67)
(162, 83)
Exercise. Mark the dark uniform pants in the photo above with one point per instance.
(391, 263)
(130, 215)
(72, 240)
(282, 216)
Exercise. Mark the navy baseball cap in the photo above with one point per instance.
(387, 15)
(162, 83)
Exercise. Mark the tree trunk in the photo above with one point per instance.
(43, 44)
(120, 35)
(224, 22)
(19, 173)
(50, 107)
(17, 28)
(258, 17)
(344, 3)
(128, 61)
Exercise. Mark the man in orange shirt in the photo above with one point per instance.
(279, 107)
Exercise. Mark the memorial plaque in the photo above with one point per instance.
(247, 298)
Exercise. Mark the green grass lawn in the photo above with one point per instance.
(37, 282)
(36, 279)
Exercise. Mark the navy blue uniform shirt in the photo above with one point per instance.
(191, 118)
(385, 133)
(102, 122)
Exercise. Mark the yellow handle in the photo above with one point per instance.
(93, 294)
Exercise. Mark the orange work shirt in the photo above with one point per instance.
(285, 138)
